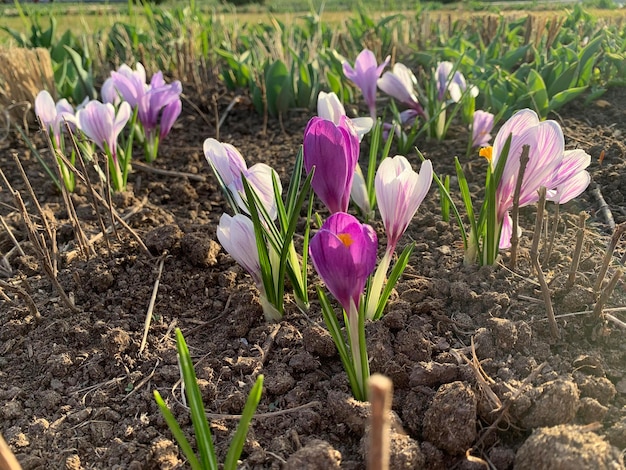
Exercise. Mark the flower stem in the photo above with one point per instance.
(378, 282)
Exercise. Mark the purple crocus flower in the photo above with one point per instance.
(481, 127)
(128, 83)
(226, 159)
(399, 191)
(102, 124)
(344, 255)
(53, 116)
(365, 74)
(334, 152)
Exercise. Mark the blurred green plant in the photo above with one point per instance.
(204, 440)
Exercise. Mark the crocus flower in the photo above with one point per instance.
(102, 124)
(53, 116)
(226, 159)
(546, 142)
(158, 103)
(329, 107)
(399, 191)
(230, 165)
(344, 255)
(365, 74)
(334, 152)
(236, 235)
(400, 85)
(455, 85)
(481, 127)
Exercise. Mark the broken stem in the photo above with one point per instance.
(523, 161)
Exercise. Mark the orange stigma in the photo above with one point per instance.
(486, 152)
(346, 239)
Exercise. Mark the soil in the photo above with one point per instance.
(478, 378)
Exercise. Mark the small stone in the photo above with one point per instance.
(316, 455)
(163, 238)
(552, 403)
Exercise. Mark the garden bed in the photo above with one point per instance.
(76, 393)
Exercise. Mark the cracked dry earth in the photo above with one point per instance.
(76, 393)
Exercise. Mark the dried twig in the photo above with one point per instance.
(606, 293)
(534, 256)
(30, 303)
(603, 208)
(515, 211)
(615, 320)
(158, 171)
(555, 226)
(380, 396)
(608, 255)
(7, 459)
(155, 290)
(580, 237)
(12, 237)
(229, 108)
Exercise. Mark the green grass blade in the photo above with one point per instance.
(177, 432)
(236, 445)
(201, 427)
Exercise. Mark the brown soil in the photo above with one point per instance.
(75, 393)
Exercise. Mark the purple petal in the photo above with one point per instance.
(169, 116)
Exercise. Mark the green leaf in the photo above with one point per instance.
(279, 90)
(396, 272)
(236, 445)
(564, 97)
(201, 427)
(538, 92)
(177, 432)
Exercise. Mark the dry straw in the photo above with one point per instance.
(23, 74)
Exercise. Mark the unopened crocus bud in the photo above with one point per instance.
(334, 152)
(329, 107)
(53, 116)
(365, 75)
(399, 83)
(343, 252)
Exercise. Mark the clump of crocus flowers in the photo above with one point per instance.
(158, 103)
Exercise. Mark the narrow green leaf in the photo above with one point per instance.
(201, 427)
(177, 432)
(396, 272)
(236, 445)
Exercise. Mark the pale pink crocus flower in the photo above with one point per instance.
(571, 178)
(102, 124)
(452, 84)
(399, 83)
(399, 191)
(53, 115)
(230, 165)
(364, 75)
(546, 147)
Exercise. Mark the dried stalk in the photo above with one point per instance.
(534, 256)
(159, 171)
(608, 255)
(7, 459)
(580, 237)
(603, 208)
(39, 241)
(555, 226)
(30, 303)
(155, 290)
(380, 396)
(12, 237)
(606, 293)
(523, 162)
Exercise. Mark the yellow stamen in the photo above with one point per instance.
(486, 152)
(346, 239)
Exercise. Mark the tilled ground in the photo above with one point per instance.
(477, 376)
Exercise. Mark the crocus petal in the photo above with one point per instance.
(343, 252)
(365, 74)
(109, 92)
(506, 232)
(261, 178)
(45, 108)
(482, 125)
(400, 191)
(236, 235)
(572, 188)
(329, 107)
(358, 193)
(400, 85)
(442, 73)
(334, 151)
(169, 116)
(226, 159)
